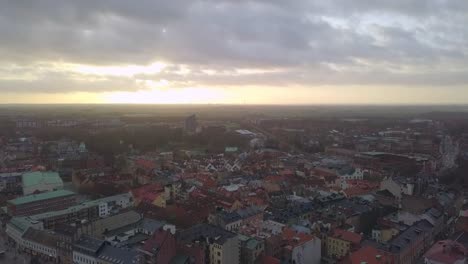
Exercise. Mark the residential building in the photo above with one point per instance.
(300, 248)
(397, 186)
(251, 249)
(410, 244)
(41, 243)
(221, 246)
(160, 248)
(341, 242)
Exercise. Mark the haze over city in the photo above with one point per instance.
(234, 131)
(234, 52)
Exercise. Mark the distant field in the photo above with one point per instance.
(233, 111)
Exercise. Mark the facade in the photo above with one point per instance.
(229, 221)
(411, 244)
(305, 251)
(341, 242)
(397, 188)
(357, 174)
(106, 205)
(251, 249)
(41, 243)
(10, 183)
(383, 234)
(221, 246)
(41, 203)
(83, 212)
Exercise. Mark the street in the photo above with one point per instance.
(11, 255)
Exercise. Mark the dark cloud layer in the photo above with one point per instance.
(334, 42)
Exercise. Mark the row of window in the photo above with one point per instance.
(36, 247)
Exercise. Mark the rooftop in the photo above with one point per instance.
(42, 237)
(38, 177)
(369, 255)
(116, 255)
(89, 244)
(219, 235)
(347, 236)
(446, 251)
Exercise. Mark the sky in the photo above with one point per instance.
(234, 51)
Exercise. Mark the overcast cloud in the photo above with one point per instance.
(233, 43)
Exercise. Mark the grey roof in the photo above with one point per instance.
(230, 217)
(151, 225)
(133, 240)
(118, 255)
(461, 237)
(249, 211)
(201, 232)
(180, 259)
(88, 244)
(42, 237)
(112, 224)
(434, 212)
(407, 237)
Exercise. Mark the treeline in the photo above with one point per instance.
(111, 142)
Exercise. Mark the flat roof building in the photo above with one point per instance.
(41, 203)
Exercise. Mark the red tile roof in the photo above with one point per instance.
(145, 164)
(446, 251)
(148, 193)
(347, 236)
(368, 255)
(269, 260)
(295, 238)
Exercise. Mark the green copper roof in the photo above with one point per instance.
(252, 243)
(38, 197)
(38, 177)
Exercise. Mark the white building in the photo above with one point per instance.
(308, 252)
(106, 205)
(396, 187)
(358, 174)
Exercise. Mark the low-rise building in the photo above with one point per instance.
(89, 250)
(41, 203)
(300, 248)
